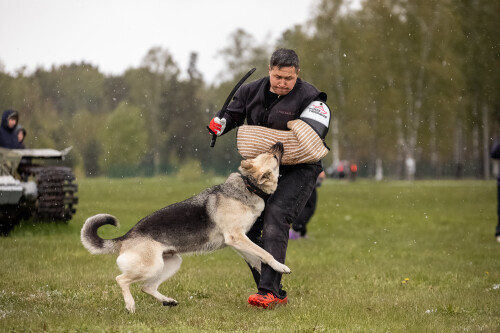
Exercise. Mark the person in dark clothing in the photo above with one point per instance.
(21, 135)
(271, 102)
(495, 154)
(299, 226)
(8, 135)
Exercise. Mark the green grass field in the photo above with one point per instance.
(365, 240)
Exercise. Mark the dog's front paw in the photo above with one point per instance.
(130, 307)
(170, 303)
(278, 267)
(286, 269)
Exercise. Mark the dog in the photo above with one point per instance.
(217, 217)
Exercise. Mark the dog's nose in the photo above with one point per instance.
(277, 148)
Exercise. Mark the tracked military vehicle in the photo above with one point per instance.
(33, 187)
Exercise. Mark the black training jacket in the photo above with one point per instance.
(248, 103)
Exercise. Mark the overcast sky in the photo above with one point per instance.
(116, 34)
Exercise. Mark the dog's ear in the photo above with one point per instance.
(264, 177)
(246, 164)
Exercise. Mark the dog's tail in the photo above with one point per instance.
(91, 240)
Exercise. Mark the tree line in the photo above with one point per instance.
(407, 82)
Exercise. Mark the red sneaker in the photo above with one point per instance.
(268, 300)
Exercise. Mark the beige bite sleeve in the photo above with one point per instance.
(301, 144)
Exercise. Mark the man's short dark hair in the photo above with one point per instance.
(284, 58)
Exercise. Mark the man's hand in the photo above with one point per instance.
(217, 126)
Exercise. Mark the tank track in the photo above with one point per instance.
(56, 193)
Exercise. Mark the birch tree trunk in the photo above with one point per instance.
(155, 128)
(458, 151)
(475, 134)
(434, 159)
(337, 66)
(415, 95)
(486, 149)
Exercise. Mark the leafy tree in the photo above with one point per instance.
(163, 73)
(405, 79)
(124, 141)
(72, 87)
(115, 90)
(85, 130)
(480, 50)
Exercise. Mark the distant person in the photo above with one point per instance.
(341, 170)
(299, 226)
(21, 135)
(495, 153)
(353, 171)
(8, 135)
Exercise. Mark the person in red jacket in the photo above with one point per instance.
(272, 102)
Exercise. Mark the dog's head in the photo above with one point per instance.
(264, 169)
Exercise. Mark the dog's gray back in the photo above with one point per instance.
(189, 226)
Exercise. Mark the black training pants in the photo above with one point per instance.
(271, 230)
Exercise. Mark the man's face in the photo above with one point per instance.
(282, 79)
(12, 122)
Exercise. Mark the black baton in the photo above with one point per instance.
(228, 100)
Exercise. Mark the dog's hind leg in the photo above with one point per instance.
(129, 263)
(140, 261)
(171, 264)
(124, 282)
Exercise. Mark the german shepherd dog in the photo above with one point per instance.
(221, 215)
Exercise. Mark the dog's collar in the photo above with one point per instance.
(254, 189)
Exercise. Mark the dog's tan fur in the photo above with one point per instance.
(150, 251)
